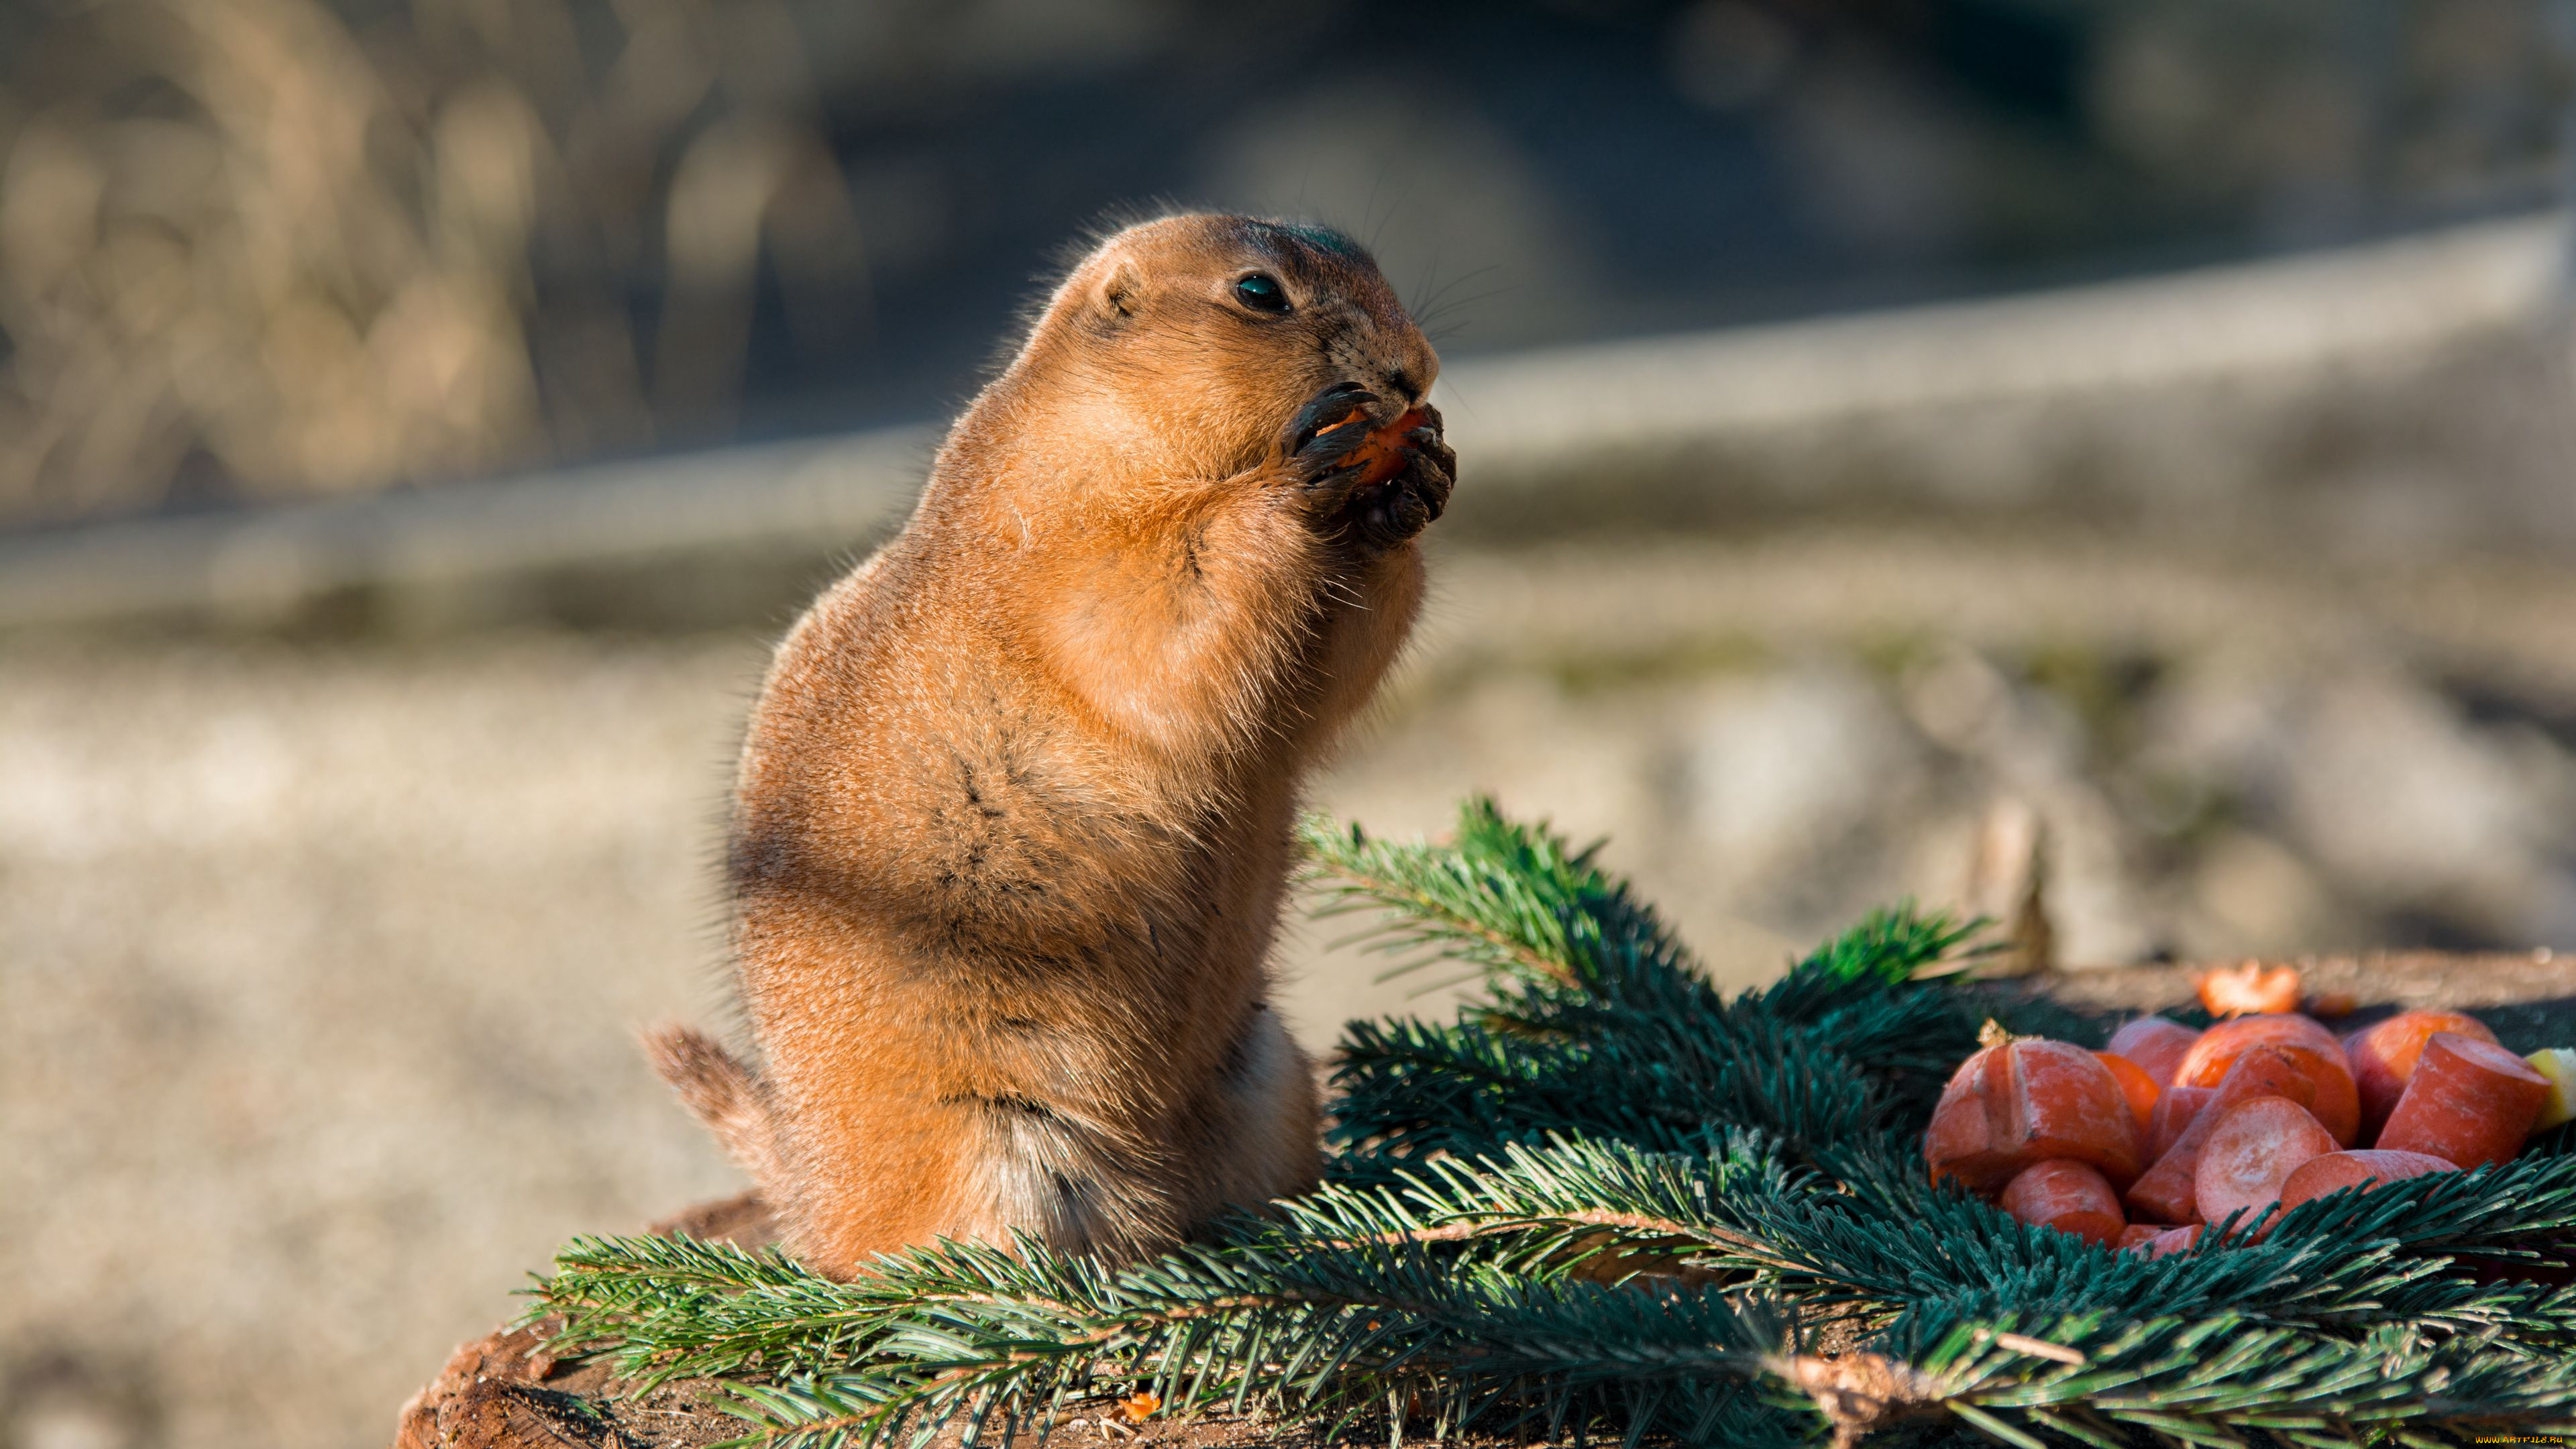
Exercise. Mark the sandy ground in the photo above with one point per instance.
(319, 964)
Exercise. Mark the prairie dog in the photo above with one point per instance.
(1014, 818)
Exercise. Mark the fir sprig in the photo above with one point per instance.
(2200, 1380)
(1312, 1323)
(1510, 898)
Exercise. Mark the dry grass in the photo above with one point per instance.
(245, 244)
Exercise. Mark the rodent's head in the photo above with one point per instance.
(1211, 331)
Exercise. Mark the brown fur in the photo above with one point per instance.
(1015, 815)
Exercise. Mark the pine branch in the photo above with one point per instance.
(1887, 949)
(1595, 1024)
(1308, 1327)
(1462, 1286)
(1407, 1090)
(1664, 1063)
(1512, 898)
(1940, 1258)
(1562, 1209)
(2197, 1380)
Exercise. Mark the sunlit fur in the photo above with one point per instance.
(1013, 822)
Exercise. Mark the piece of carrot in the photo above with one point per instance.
(2252, 1151)
(2171, 1240)
(1382, 449)
(2333, 1170)
(2135, 1084)
(2469, 1101)
(2276, 1028)
(2330, 1003)
(2168, 1192)
(2072, 1197)
(2207, 1061)
(2021, 1102)
(2383, 1057)
(2154, 1042)
(2337, 1102)
(2250, 987)
(2135, 1235)
(2175, 1108)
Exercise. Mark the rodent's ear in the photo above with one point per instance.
(1120, 290)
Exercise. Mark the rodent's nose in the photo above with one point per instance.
(1406, 384)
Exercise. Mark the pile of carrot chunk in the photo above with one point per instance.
(2168, 1129)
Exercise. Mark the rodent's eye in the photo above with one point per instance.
(1261, 292)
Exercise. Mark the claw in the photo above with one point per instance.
(1335, 408)
(1332, 478)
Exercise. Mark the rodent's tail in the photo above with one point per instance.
(723, 1094)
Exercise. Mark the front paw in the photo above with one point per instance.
(1418, 493)
(1323, 452)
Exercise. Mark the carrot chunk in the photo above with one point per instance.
(2383, 1057)
(2249, 988)
(2252, 1151)
(2156, 1043)
(2021, 1102)
(2330, 1171)
(2469, 1101)
(2135, 1084)
(2174, 1111)
(2336, 1102)
(2168, 1192)
(2207, 1061)
(2331, 1003)
(1382, 450)
(2171, 1240)
(2072, 1197)
(2135, 1235)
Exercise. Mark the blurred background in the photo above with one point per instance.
(2129, 439)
